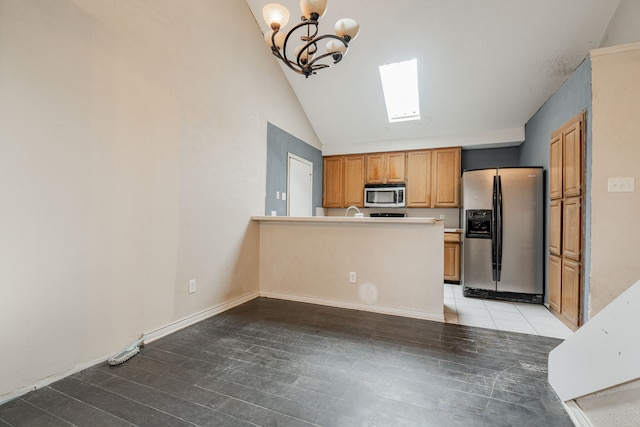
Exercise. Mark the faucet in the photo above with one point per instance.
(357, 215)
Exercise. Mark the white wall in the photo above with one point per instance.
(615, 230)
(132, 155)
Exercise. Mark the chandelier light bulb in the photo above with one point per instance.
(313, 7)
(347, 28)
(334, 46)
(280, 36)
(275, 15)
(306, 56)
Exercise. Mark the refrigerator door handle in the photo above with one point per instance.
(499, 229)
(494, 236)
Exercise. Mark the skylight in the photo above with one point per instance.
(400, 87)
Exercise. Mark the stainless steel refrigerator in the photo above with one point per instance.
(502, 221)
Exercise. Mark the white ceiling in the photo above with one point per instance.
(485, 67)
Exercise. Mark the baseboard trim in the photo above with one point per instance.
(197, 317)
(148, 337)
(354, 306)
(576, 414)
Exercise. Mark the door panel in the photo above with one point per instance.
(522, 231)
(555, 168)
(570, 291)
(572, 161)
(555, 283)
(555, 227)
(477, 194)
(571, 228)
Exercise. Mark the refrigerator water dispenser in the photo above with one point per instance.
(478, 223)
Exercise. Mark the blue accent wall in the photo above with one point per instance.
(572, 97)
(490, 158)
(279, 144)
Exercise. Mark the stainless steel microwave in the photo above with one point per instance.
(384, 195)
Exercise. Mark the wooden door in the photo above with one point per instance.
(571, 228)
(395, 167)
(354, 180)
(375, 168)
(332, 188)
(555, 227)
(419, 179)
(570, 291)
(555, 168)
(555, 283)
(566, 177)
(572, 161)
(446, 178)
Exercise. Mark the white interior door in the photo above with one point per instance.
(299, 186)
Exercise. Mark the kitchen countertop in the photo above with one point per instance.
(348, 219)
(453, 230)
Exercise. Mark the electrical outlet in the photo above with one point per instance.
(192, 286)
(352, 277)
(284, 196)
(441, 216)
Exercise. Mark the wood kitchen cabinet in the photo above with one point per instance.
(433, 178)
(446, 178)
(566, 180)
(452, 257)
(332, 188)
(354, 181)
(343, 181)
(385, 168)
(419, 179)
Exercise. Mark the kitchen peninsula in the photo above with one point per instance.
(397, 263)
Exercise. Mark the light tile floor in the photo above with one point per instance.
(533, 319)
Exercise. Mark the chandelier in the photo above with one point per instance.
(307, 56)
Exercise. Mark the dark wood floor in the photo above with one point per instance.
(279, 363)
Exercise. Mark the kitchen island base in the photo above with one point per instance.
(398, 263)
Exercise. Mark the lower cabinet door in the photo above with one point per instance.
(452, 261)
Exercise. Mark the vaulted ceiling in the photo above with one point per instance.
(484, 68)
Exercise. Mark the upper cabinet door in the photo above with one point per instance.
(354, 181)
(419, 179)
(555, 168)
(395, 167)
(385, 168)
(446, 178)
(376, 169)
(332, 185)
(572, 159)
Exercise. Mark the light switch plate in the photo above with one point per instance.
(621, 184)
(284, 196)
